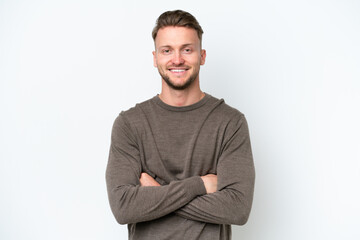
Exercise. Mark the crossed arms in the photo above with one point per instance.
(224, 198)
(210, 182)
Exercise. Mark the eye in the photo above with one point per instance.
(187, 50)
(165, 51)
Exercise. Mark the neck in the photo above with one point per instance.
(181, 98)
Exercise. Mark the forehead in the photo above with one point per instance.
(173, 36)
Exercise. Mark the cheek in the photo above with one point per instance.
(162, 62)
(195, 60)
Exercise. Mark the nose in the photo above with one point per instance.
(177, 58)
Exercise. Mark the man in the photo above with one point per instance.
(180, 164)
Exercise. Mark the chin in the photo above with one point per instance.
(179, 84)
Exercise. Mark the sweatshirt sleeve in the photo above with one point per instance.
(232, 202)
(131, 203)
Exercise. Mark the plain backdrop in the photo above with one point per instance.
(67, 69)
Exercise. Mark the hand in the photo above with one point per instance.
(147, 181)
(210, 182)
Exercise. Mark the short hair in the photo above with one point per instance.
(177, 18)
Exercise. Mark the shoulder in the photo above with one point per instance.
(127, 118)
(129, 122)
(135, 113)
(225, 111)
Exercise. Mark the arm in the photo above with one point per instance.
(210, 182)
(129, 201)
(232, 202)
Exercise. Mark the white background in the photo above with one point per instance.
(67, 68)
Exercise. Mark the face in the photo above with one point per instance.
(178, 56)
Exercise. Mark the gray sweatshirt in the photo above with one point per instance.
(177, 145)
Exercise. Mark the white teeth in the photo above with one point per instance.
(177, 70)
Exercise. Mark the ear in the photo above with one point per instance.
(203, 56)
(154, 55)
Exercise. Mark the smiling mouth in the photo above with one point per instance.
(178, 70)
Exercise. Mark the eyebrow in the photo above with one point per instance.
(182, 46)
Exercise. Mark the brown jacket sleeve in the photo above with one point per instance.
(232, 202)
(131, 203)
